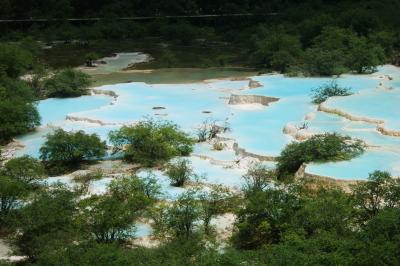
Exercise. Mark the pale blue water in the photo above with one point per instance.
(359, 168)
(55, 110)
(258, 130)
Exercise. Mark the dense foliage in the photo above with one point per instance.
(151, 142)
(319, 148)
(300, 223)
(65, 150)
(322, 93)
(67, 83)
(18, 113)
(306, 37)
(179, 172)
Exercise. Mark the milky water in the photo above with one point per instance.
(257, 129)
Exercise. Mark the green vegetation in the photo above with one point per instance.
(110, 217)
(275, 225)
(182, 216)
(300, 223)
(179, 172)
(319, 148)
(279, 220)
(25, 168)
(151, 142)
(322, 93)
(90, 58)
(67, 83)
(67, 150)
(18, 113)
(14, 60)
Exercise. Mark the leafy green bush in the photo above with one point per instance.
(111, 217)
(18, 112)
(66, 150)
(179, 172)
(67, 83)
(322, 93)
(183, 215)
(319, 148)
(14, 60)
(321, 62)
(151, 142)
(25, 168)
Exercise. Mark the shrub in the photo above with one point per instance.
(25, 168)
(258, 177)
(65, 150)
(179, 172)
(319, 148)
(18, 113)
(330, 89)
(67, 83)
(151, 142)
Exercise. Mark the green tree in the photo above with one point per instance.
(179, 172)
(320, 62)
(365, 56)
(12, 192)
(257, 178)
(265, 217)
(25, 169)
(381, 238)
(65, 150)
(277, 49)
(18, 113)
(67, 83)
(319, 148)
(14, 60)
(48, 220)
(151, 142)
(90, 58)
(112, 216)
(379, 192)
(217, 201)
(183, 215)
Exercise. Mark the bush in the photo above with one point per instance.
(67, 83)
(319, 148)
(257, 178)
(25, 169)
(320, 62)
(179, 172)
(67, 150)
(112, 216)
(183, 215)
(151, 142)
(322, 93)
(18, 112)
(14, 60)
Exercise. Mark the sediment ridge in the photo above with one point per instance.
(251, 99)
(380, 124)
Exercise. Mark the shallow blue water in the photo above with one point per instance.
(258, 130)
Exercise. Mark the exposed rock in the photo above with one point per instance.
(303, 135)
(105, 92)
(248, 99)
(380, 123)
(89, 120)
(290, 130)
(253, 84)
